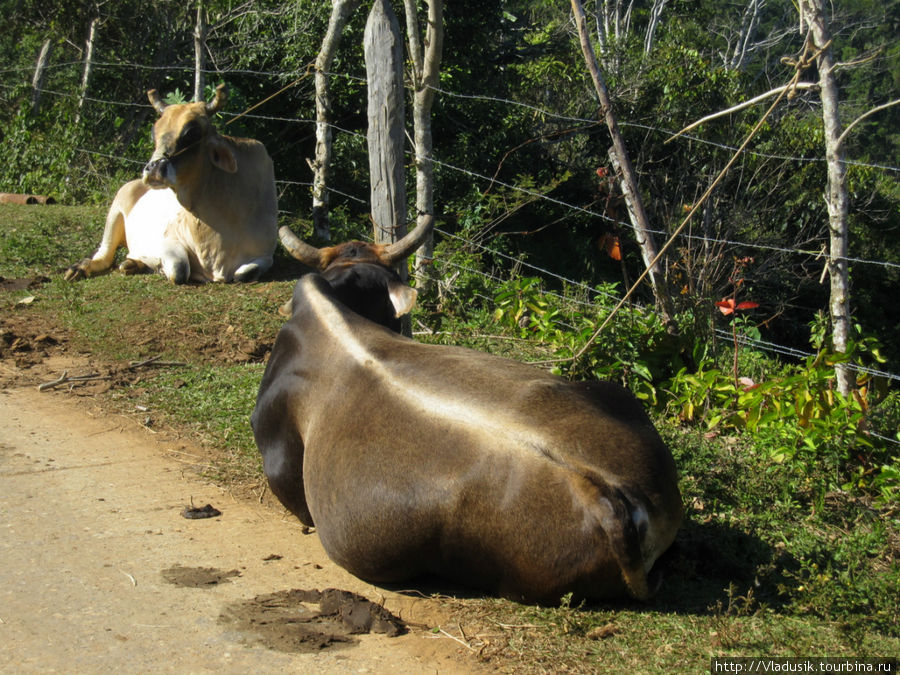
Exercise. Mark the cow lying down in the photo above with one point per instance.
(204, 210)
(411, 458)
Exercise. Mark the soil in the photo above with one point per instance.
(118, 556)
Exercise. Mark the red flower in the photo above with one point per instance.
(610, 243)
(728, 306)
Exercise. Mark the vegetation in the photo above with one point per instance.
(532, 167)
(792, 536)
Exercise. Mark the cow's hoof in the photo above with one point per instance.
(132, 266)
(75, 272)
(181, 273)
(248, 273)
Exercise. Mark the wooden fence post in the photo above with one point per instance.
(386, 110)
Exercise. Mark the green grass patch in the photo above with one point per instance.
(47, 239)
(214, 400)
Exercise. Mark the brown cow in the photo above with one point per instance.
(204, 210)
(411, 458)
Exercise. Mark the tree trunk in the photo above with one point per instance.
(613, 25)
(837, 197)
(749, 24)
(88, 65)
(199, 51)
(321, 165)
(627, 179)
(650, 36)
(425, 72)
(40, 71)
(386, 113)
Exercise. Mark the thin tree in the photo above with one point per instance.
(425, 66)
(746, 35)
(628, 182)
(383, 49)
(88, 66)
(653, 23)
(321, 165)
(199, 51)
(40, 72)
(837, 195)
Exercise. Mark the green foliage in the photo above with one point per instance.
(635, 348)
(797, 418)
(39, 155)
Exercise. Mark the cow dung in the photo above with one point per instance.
(197, 577)
(194, 513)
(287, 620)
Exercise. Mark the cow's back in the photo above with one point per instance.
(422, 458)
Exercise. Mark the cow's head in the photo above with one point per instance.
(362, 274)
(185, 138)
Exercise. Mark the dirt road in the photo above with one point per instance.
(100, 572)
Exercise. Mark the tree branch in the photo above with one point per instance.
(879, 108)
(741, 106)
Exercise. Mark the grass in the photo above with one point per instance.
(774, 559)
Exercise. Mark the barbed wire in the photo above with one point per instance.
(587, 211)
(190, 68)
(761, 345)
(533, 193)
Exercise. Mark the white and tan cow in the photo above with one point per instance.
(204, 210)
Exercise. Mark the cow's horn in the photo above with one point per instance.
(218, 101)
(156, 101)
(308, 255)
(400, 250)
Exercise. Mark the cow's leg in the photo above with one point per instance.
(253, 269)
(139, 265)
(176, 264)
(113, 234)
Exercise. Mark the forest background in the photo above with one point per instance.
(517, 136)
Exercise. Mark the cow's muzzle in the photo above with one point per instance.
(159, 173)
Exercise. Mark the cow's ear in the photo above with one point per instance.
(403, 298)
(221, 155)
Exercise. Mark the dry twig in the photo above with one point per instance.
(133, 365)
(65, 379)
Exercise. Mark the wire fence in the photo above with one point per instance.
(757, 344)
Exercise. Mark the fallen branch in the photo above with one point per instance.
(453, 637)
(133, 365)
(65, 379)
(154, 361)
